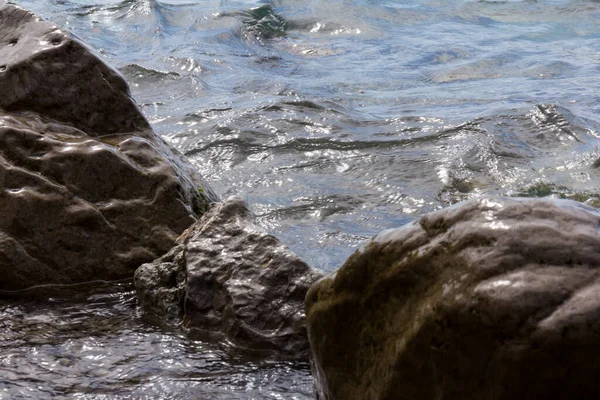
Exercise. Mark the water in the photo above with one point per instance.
(334, 119)
(90, 343)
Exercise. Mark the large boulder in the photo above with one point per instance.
(45, 71)
(87, 190)
(495, 298)
(228, 279)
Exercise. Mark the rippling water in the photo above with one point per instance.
(334, 119)
(90, 343)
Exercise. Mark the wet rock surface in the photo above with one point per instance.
(88, 191)
(495, 298)
(228, 279)
(44, 70)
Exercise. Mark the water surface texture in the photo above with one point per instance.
(334, 119)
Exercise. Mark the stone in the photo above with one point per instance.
(226, 279)
(494, 298)
(87, 190)
(45, 71)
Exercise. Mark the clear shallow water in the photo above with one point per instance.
(337, 119)
(90, 343)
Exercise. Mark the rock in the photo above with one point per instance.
(228, 279)
(87, 190)
(495, 298)
(45, 71)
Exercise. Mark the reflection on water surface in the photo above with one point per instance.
(91, 343)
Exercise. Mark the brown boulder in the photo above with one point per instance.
(228, 279)
(495, 298)
(45, 71)
(87, 190)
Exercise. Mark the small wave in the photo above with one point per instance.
(321, 208)
(261, 23)
(548, 117)
(498, 68)
(543, 188)
(313, 144)
(137, 73)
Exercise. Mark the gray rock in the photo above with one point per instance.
(494, 298)
(228, 279)
(87, 190)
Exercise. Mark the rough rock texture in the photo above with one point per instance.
(227, 278)
(87, 190)
(45, 71)
(491, 299)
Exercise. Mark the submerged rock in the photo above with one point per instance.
(495, 298)
(228, 279)
(87, 190)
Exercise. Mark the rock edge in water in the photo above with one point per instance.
(228, 279)
(88, 191)
(495, 298)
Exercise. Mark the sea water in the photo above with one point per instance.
(334, 120)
